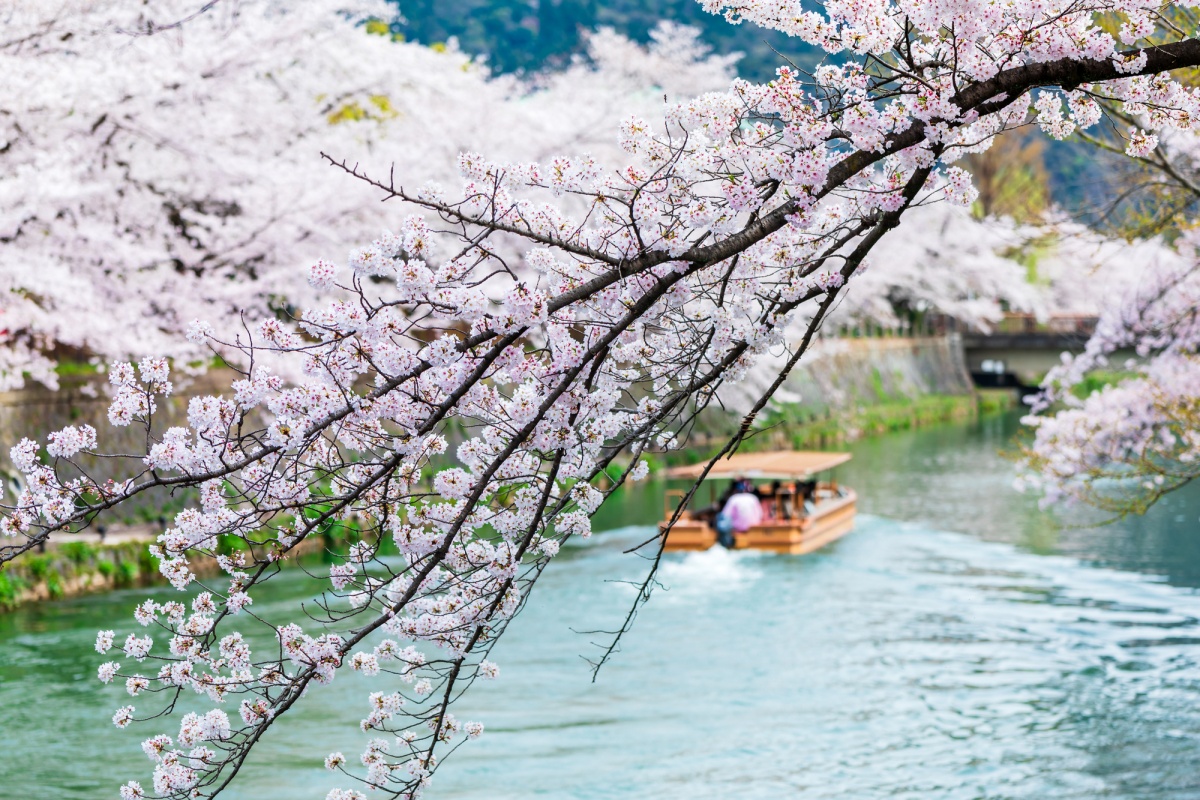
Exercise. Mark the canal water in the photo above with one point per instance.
(960, 643)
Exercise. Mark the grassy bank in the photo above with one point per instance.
(792, 426)
(75, 568)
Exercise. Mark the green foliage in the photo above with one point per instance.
(383, 105)
(379, 108)
(228, 545)
(66, 368)
(10, 587)
(877, 384)
(1098, 379)
(1029, 253)
(78, 553)
(38, 567)
(146, 563)
(127, 573)
(530, 35)
(377, 27)
(995, 401)
(350, 112)
(106, 568)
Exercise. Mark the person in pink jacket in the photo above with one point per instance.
(742, 512)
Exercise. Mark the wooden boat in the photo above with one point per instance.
(789, 525)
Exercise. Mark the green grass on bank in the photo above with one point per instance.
(117, 566)
(1096, 380)
(125, 564)
(796, 427)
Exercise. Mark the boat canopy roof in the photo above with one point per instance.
(781, 464)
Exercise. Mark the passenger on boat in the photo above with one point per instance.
(806, 493)
(713, 511)
(776, 500)
(741, 513)
(724, 528)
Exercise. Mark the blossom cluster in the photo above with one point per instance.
(1122, 447)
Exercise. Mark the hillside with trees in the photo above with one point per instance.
(531, 35)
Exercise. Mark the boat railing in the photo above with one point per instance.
(668, 507)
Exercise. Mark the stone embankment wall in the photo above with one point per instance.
(35, 411)
(74, 564)
(845, 373)
(84, 562)
(846, 388)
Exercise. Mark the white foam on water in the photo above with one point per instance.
(708, 572)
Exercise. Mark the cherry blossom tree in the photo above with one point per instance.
(466, 412)
(1121, 447)
(151, 180)
(943, 259)
(1124, 446)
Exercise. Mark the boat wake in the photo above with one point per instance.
(706, 572)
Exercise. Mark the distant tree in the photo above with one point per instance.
(110, 199)
(532, 35)
(1124, 445)
(153, 180)
(1011, 177)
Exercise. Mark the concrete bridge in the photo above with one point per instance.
(1015, 354)
(1021, 349)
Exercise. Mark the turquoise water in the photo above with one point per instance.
(959, 644)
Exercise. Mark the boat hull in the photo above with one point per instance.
(831, 520)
